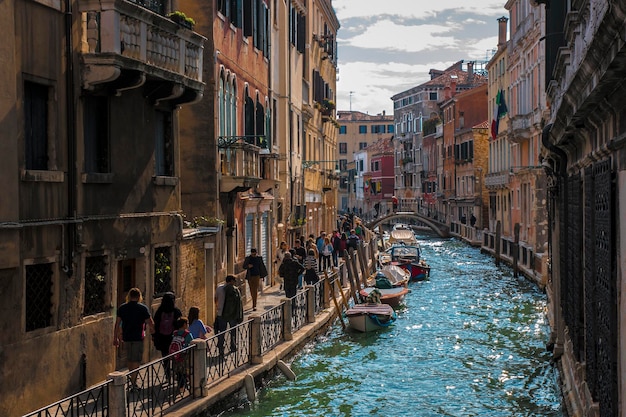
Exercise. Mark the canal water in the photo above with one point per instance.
(469, 342)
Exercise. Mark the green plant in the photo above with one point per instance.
(181, 18)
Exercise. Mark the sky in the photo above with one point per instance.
(386, 47)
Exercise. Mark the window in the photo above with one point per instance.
(164, 146)
(343, 165)
(377, 128)
(36, 119)
(343, 148)
(432, 95)
(38, 296)
(362, 145)
(362, 129)
(343, 130)
(162, 270)
(390, 129)
(96, 125)
(95, 285)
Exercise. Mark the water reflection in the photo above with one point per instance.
(469, 342)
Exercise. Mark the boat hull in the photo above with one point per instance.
(392, 296)
(370, 317)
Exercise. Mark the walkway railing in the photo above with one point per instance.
(157, 385)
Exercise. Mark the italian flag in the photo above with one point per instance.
(499, 110)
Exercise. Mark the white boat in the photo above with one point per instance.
(370, 317)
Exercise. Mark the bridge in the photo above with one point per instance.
(440, 228)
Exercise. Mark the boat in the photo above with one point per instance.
(407, 257)
(396, 276)
(391, 296)
(370, 316)
(402, 236)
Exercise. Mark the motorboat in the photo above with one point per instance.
(396, 276)
(402, 236)
(391, 296)
(407, 257)
(370, 316)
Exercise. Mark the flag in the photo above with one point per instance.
(499, 110)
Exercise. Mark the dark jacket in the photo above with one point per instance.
(233, 306)
(290, 270)
(258, 266)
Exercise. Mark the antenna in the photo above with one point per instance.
(351, 92)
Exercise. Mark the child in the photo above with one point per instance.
(181, 338)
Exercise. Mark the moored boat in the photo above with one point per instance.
(391, 296)
(369, 317)
(407, 257)
(396, 276)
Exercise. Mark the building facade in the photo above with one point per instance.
(583, 154)
(91, 101)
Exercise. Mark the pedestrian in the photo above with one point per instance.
(336, 241)
(319, 244)
(353, 240)
(280, 254)
(256, 272)
(290, 270)
(300, 253)
(473, 220)
(229, 313)
(164, 322)
(133, 317)
(198, 329)
(343, 244)
(310, 268)
(181, 338)
(327, 252)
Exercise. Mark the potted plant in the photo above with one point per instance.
(181, 19)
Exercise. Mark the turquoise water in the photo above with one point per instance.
(469, 342)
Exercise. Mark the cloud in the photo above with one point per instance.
(388, 47)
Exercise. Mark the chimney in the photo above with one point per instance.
(383, 112)
(502, 30)
(470, 71)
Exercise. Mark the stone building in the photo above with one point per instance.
(583, 154)
(90, 121)
(357, 131)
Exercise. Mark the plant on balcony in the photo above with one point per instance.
(407, 160)
(181, 19)
(298, 222)
(327, 107)
(204, 221)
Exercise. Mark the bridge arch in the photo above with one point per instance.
(441, 229)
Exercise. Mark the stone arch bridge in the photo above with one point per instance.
(441, 229)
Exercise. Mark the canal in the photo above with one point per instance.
(469, 342)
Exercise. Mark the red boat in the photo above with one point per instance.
(406, 257)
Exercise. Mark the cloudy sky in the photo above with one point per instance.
(386, 47)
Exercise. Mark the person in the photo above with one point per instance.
(256, 271)
(343, 244)
(353, 240)
(300, 253)
(336, 241)
(197, 327)
(164, 322)
(327, 251)
(319, 244)
(229, 312)
(280, 254)
(290, 270)
(181, 338)
(473, 220)
(310, 268)
(133, 317)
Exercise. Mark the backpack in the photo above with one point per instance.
(178, 344)
(166, 326)
(353, 241)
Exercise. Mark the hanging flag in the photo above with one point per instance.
(499, 110)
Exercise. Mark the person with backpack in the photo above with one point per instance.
(164, 325)
(229, 313)
(353, 240)
(181, 338)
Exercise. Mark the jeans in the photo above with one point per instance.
(220, 328)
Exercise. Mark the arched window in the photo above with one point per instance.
(221, 103)
(248, 117)
(261, 140)
(233, 107)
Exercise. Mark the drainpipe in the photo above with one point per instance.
(71, 141)
(556, 338)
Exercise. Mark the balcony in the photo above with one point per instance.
(497, 180)
(520, 125)
(126, 46)
(269, 171)
(240, 163)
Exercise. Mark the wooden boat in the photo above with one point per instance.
(407, 257)
(370, 317)
(391, 296)
(397, 276)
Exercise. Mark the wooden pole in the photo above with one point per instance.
(343, 296)
(332, 295)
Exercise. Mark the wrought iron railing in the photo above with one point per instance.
(271, 328)
(93, 402)
(228, 350)
(318, 287)
(160, 384)
(298, 310)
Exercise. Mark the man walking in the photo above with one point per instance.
(229, 312)
(256, 271)
(290, 270)
(130, 328)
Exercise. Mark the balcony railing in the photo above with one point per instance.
(121, 35)
(497, 180)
